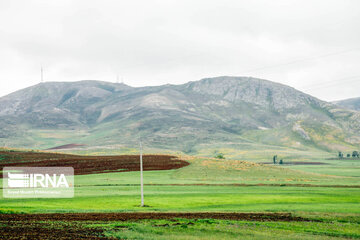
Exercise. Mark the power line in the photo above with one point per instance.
(301, 60)
(332, 83)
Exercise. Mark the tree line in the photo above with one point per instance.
(355, 154)
(275, 160)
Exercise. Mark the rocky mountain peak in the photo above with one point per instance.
(252, 90)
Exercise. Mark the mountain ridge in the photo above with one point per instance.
(212, 110)
(351, 103)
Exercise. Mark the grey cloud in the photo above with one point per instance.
(157, 42)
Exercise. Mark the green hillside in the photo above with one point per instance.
(240, 112)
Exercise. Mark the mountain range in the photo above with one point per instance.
(352, 103)
(220, 111)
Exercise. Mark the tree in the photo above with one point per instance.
(348, 155)
(341, 155)
(274, 159)
(355, 154)
(220, 156)
(281, 161)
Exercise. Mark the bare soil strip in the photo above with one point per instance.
(74, 225)
(287, 217)
(48, 230)
(91, 164)
(228, 184)
(297, 163)
(225, 184)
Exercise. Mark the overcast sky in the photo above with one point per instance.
(313, 46)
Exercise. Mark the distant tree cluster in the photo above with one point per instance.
(219, 155)
(355, 154)
(275, 160)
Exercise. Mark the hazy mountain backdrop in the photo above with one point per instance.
(353, 103)
(240, 112)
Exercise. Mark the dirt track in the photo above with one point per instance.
(74, 225)
(149, 215)
(297, 163)
(91, 164)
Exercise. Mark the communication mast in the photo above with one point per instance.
(42, 74)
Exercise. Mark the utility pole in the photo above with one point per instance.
(141, 177)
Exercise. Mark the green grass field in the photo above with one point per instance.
(196, 198)
(328, 193)
(221, 229)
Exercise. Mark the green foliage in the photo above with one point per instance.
(220, 156)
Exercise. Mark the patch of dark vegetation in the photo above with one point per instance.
(48, 230)
(287, 217)
(9, 157)
(68, 95)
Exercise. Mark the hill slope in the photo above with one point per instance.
(222, 110)
(352, 103)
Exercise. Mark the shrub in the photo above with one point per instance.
(220, 156)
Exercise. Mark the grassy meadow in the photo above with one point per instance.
(328, 194)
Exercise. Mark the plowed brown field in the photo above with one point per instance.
(125, 216)
(73, 225)
(90, 164)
